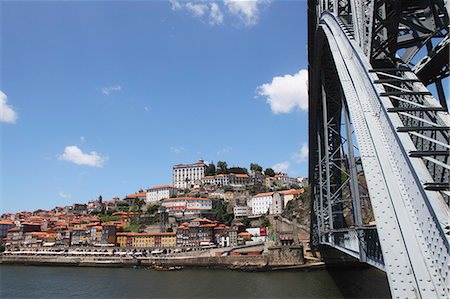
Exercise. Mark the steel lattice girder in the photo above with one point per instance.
(407, 216)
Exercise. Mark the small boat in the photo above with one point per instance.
(167, 268)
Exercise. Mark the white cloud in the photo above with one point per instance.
(108, 90)
(177, 150)
(286, 93)
(7, 113)
(82, 139)
(197, 10)
(215, 15)
(64, 195)
(302, 154)
(147, 108)
(224, 150)
(75, 155)
(281, 167)
(246, 10)
(176, 5)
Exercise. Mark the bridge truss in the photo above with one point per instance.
(378, 138)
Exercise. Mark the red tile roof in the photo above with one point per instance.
(142, 194)
(292, 192)
(264, 194)
(161, 187)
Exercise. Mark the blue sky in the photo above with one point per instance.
(104, 97)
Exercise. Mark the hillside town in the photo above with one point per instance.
(206, 206)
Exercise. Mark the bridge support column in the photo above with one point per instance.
(354, 185)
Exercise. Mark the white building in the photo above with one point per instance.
(158, 193)
(260, 203)
(277, 204)
(239, 180)
(216, 180)
(187, 175)
(183, 206)
(288, 195)
(242, 211)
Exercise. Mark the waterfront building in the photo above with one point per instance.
(188, 175)
(199, 232)
(109, 231)
(260, 203)
(5, 225)
(80, 236)
(158, 193)
(147, 240)
(39, 239)
(96, 234)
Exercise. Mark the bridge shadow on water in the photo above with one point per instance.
(360, 281)
(355, 279)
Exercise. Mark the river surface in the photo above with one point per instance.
(79, 282)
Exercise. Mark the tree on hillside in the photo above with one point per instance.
(210, 169)
(222, 167)
(255, 167)
(270, 172)
(238, 170)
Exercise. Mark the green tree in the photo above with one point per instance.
(245, 221)
(220, 212)
(210, 169)
(270, 172)
(153, 209)
(265, 222)
(238, 170)
(222, 167)
(255, 167)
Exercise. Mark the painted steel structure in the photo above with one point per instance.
(379, 140)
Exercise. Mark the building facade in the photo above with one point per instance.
(188, 175)
(242, 211)
(158, 193)
(147, 240)
(183, 206)
(260, 203)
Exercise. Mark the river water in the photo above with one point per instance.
(79, 282)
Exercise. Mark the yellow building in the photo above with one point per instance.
(168, 239)
(146, 240)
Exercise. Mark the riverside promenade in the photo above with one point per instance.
(276, 258)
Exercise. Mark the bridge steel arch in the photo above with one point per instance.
(378, 139)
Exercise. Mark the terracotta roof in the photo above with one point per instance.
(185, 198)
(244, 234)
(161, 187)
(292, 192)
(242, 175)
(137, 195)
(264, 194)
(5, 222)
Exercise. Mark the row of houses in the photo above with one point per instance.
(191, 175)
(199, 232)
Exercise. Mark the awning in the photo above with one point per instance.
(48, 244)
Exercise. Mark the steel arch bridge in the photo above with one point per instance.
(379, 140)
